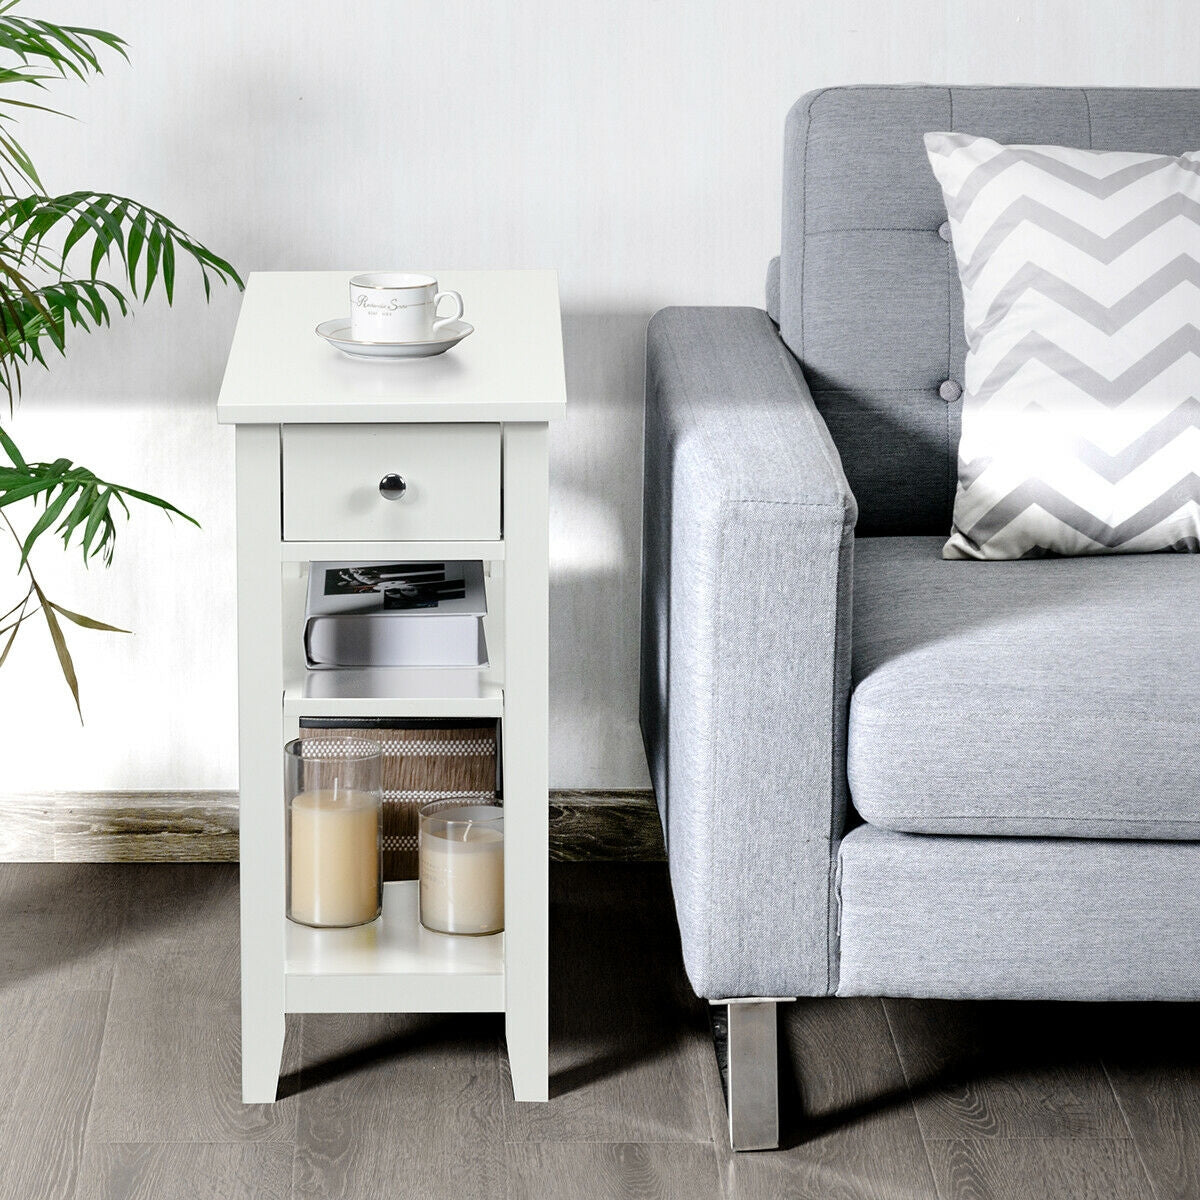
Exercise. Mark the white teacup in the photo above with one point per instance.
(397, 306)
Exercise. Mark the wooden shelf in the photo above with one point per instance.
(392, 965)
(391, 691)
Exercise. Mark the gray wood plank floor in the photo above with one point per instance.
(118, 1073)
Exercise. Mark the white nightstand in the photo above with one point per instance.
(316, 432)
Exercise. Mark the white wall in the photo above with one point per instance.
(634, 146)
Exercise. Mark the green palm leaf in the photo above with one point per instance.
(43, 51)
(73, 496)
(55, 251)
(107, 227)
(65, 49)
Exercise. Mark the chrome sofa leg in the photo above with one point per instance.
(753, 1096)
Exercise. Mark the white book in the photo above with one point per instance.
(395, 614)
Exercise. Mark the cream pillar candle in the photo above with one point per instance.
(462, 869)
(334, 857)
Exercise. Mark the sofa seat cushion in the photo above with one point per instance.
(1048, 697)
(1018, 918)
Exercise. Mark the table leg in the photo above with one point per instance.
(525, 735)
(260, 759)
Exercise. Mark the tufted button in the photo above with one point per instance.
(949, 391)
(944, 231)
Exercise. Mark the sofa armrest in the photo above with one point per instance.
(747, 567)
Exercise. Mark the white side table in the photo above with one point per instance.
(316, 432)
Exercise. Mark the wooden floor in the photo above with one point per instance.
(119, 1064)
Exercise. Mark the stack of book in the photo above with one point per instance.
(389, 614)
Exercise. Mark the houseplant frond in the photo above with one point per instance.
(76, 504)
(64, 49)
(74, 497)
(48, 311)
(43, 295)
(104, 227)
(42, 51)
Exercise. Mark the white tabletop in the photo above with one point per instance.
(509, 369)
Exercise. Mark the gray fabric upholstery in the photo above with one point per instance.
(1056, 697)
(869, 295)
(748, 565)
(747, 560)
(773, 289)
(1019, 917)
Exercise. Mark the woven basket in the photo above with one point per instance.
(423, 760)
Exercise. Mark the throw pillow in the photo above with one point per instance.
(1080, 273)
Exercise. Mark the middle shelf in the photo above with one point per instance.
(391, 691)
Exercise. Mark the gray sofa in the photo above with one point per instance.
(880, 773)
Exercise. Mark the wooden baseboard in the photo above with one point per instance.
(585, 826)
(119, 827)
(590, 826)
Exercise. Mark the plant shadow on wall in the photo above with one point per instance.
(54, 250)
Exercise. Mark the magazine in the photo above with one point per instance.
(395, 614)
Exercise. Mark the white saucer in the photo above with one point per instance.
(337, 333)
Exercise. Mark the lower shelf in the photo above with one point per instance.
(392, 965)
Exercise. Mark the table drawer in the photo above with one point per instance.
(332, 477)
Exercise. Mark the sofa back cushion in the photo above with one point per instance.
(869, 298)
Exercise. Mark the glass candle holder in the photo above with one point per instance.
(461, 866)
(334, 833)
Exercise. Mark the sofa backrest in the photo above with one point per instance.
(868, 296)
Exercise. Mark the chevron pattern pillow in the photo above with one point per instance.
(1080, 273)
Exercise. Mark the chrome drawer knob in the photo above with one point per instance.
(392, 486)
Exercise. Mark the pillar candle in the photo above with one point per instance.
(462, 879)
(334, 857)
